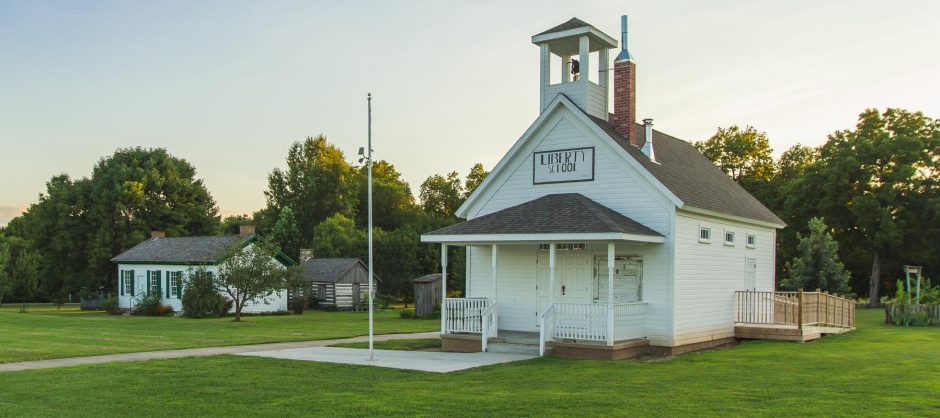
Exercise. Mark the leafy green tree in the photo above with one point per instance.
(876, 185)
(317, 184)
(338, 236)
(441, 196)
(396, 261)
(744, 154)
(817, 264)
(393, 205)
(5, 285)
(474, 178)
(285, 234)
(25, 277)
(252, 274)
(200, 296)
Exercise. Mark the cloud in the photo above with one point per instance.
(9, 212)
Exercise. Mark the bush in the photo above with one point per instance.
(200, 297)
(297, 305)
(406, 314)
(111, 305)
(149, 305)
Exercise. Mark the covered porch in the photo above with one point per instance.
(561, 271)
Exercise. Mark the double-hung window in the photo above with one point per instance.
(153, 281)
(175, 287)
(127, 282)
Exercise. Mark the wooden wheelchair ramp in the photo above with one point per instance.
(791, 316)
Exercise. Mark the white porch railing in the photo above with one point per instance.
(589, 322)
(463, 315)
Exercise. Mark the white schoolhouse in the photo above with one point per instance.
(598, 236)
(161, 265)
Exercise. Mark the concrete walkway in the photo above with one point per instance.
(426, 361)
(196, 352)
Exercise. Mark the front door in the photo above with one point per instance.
(573, 284)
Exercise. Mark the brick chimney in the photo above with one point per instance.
(305, 254)
(246, 230)
(157, 234)
(624, 119)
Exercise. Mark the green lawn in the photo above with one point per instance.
(45, 332)
(875, 371)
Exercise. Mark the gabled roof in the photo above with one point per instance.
(329, 269)
(565, 213)
(574, 23)
(428, 278)
(691, 176)
(187, 250)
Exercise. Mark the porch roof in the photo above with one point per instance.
(554, 217)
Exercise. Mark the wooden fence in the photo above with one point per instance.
(793, 308)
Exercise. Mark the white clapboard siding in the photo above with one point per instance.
(708, 274)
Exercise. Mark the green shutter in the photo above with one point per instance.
(168, 274)
(121, 281)
(159, 278)
(133, 281)
(179, 285)
(147, 283)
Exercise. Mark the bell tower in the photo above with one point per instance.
(574, 42)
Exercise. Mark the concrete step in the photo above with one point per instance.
(512, 348)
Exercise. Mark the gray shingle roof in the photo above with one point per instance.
(554, 213)
(327, 269)
(691, 176)
(428, 278)
(188, 250)
(574, 23)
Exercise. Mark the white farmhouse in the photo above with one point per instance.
(161, 265)
(601, 237)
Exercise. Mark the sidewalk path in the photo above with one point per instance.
(196, 352)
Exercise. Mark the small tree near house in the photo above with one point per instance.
(252, 274)
(817, 265)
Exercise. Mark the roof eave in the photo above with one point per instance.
(541, 238)
(736, 218)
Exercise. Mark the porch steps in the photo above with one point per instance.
(516, 342)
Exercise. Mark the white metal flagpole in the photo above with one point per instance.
(371, 275)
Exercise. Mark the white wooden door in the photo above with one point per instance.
(574, 273)
(750, 273)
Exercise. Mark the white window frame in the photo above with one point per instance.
(731, 242)
(703, 228)
(153, 281)
(751, 240)
(128, 277)
(176, 277)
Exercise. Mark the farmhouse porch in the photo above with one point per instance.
(573, 277)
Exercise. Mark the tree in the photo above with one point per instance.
(442, 196)
(252, 274)
(5, 285)
(338, 236)
(742, 154)
(393, 205)
(317, 184)
(230, 224)
(285, 234)
(817, 264)
(474, 178)
(876, 185)
(26, 276)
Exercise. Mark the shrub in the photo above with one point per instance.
(297, 305)
(149, 305)
(201, 299)
(406, 314)
(111, 305)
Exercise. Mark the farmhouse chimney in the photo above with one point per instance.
(624, 119)
(157, 234)
(305, 254)
(246, 230)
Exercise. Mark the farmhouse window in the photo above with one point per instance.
(751, 240)
(174, 281)
(154, 282)
(127, 282)
(704, 234)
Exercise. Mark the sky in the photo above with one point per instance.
(229, 85)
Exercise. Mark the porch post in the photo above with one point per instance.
(443, 288)
(495, 251)
(610, 293)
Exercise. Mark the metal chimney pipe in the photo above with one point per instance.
(624, 53)
(648, 139)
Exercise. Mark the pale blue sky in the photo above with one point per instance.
(229, 85)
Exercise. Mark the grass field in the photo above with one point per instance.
(876, 371)
(45, 332)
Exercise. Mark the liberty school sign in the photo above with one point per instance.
(564, 165)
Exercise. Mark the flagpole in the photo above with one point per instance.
(371, 275)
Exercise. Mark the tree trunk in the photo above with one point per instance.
(874, 286)
(238, 311)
